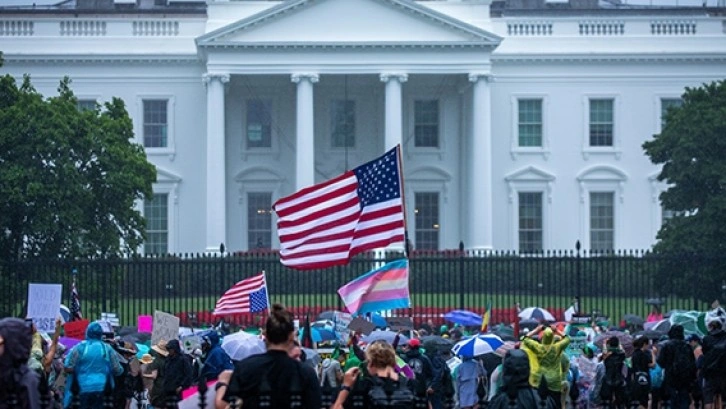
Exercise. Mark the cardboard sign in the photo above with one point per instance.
(106, 327)
(400, 323)
(341, 321)
(145, 323)
(166, 327)
(191, 342)
(76, 329)
(111, 318)
(361, 326)
(44, 302)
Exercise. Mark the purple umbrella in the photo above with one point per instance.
(69, 342)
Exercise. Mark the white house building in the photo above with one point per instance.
(521, 122)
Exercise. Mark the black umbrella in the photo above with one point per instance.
(648, 333)
(127, 330)
(632, 319)
(435, 342)
(138, 337)
(626, 341)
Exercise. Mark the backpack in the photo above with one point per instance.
(682, 371)
(389, 394)
(714, 361)
(417, 366)
(614, 371)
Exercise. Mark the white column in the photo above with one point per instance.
(480, 201)
(305, 153)
(216, 177)
(394, 108)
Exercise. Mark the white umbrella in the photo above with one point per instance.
(536, 313)
(240, 345)
(477, 345)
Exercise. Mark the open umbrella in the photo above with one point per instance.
(463, 317)
(312, 356)
(536, 313)
(662, 326)
(69, 342)
(632, 319)
(384, 335)
(65, 313)
(436, 342)
(322, 334)
(241, 344)
(648, 333)
(693, 322)
(626, 341)
(477, 345)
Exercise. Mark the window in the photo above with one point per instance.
(530, 222)
(259, 220)
(259, 123)
(157, 224)
(342, 123)
(665, 105)
(427, 220)
(155, 123)
(602, 221)
(530, 122)
(601, 122)
(426, 123)
(86, 104)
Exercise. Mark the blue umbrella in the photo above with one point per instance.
(477, 345)
(463, 317)
(322, 334)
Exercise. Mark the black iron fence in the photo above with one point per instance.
(608, 284)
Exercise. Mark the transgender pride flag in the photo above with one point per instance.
(385, 288)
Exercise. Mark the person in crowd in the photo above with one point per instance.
(147, 374)
(676, 358)
(422, 368)
(655, 314)
(92, 363)
(380, 362)
(331, 374)
(469, 375)
(642, 360)
(714, 357)
(157, 370)
(515, 391)
(613, 388)
(694, 341)
(438, 380)
(273, 377)
(18, 383)
(177, 372)
(548, 355)
(216, 359)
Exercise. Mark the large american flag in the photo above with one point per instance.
(326, 224)
(75, 303)
(248, 295)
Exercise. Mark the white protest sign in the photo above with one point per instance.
(166, 327)
(44, 302)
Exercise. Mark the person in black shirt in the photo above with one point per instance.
(273, 377)
(642, 360)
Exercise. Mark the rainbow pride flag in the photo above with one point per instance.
(384, 288)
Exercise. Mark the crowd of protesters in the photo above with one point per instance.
(534, 372)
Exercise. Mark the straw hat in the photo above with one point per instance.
(146, 359)
(160, 348)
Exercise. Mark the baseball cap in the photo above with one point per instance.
(693, 337)
(414, 343)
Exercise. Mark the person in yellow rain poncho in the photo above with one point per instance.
(547, 357)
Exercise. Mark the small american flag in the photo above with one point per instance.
(75, 303)
(326, 224)
(248, 295)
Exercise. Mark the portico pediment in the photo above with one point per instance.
(349, 23)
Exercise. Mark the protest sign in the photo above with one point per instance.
(400, 323)
(166, 327)
(44, 302)
(76, 329)
(145, 323)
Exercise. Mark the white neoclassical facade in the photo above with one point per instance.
(521, 128)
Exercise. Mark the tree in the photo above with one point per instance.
(692, 149)
(69, 178)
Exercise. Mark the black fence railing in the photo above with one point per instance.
(608, 284)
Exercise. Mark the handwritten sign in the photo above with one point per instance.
(166, 327)
(44, 302)
(76, 329)
(145, 323)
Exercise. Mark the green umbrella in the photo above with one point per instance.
(693, 322)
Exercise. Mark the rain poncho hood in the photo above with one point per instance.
(15, 376)
(18, 340)
(212, 338)
(94, 331)
(217, 359)
(547, 336)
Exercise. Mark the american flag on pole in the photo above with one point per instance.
(75, 303)
(248, 295)
(326, 224)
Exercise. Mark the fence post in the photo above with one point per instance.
(578, 261)
(461, 275)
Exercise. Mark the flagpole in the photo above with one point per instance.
(403, 201)
(267, 292)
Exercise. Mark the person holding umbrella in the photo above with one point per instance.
(549, 357)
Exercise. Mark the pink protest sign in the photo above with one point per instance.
(145, 323)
